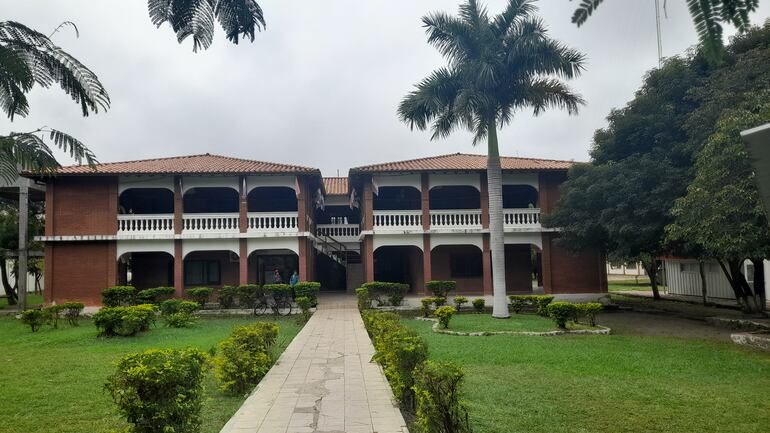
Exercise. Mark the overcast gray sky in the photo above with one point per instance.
(321, 85)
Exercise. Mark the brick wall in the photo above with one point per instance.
(79, 271)
(567, 272)
(440, 266)
(518, 268)
(82, 206)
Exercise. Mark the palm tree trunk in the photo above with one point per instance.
(496, 234)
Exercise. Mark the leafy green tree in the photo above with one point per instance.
(27, 58)
(240, 19)
(707, 15)
(722, 212)
(496, 66)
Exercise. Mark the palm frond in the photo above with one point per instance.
(544, 93)
(451, 36)
(29, 151)
(193, 18)
(586, 8)
(240, 18)
(432, 96)
(514, 11)
(706, 15)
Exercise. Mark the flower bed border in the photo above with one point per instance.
(435, 328)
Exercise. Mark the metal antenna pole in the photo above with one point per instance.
(657, 27)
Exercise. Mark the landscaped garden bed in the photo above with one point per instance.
(54, 379)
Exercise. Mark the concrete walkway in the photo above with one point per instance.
(323, 382)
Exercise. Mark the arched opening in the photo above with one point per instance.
(145, 270)
(519, 197)
(399, 264)
(146, 201)
(460, 263)
(263, 264)
(454, 197)
(272, 199)
(397, 198)
(211, 200)
(523, 268)
(211, 269)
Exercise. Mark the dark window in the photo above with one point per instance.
(201, 272)
(519, 196)
(465, 265)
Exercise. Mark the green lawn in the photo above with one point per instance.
(615, 383)
(31, 300)
(471, 322)
(626, 285)
(52, 381)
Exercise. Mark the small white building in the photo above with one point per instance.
(626, 269)
(683, 278)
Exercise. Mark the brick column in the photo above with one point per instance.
(178, 205)
(301, 207)
(486, 263)
(368, 259)
(302, 247)
(425, 200)
(243, 208)
(243, 263)
(367, 207)
(426, 264)
(112, 264)
(178, 268)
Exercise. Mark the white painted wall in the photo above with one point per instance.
(683, 278)
(128, 182)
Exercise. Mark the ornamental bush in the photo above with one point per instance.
(34, 318)
(252, 296)
(125, 321)
(177, 313)
(308, 289)
(478, 305)
(426, 305)
(517, 303)
(227, 296)
(245, 356)
(589, 311)
(304, 303)
(438, 390)
(444, 315)
(52, 314)
(160, 391)
(542, 302)
(460, 301)
(440, 289)
(280, 295)
(538, 303)
(200, 295)
(155, 295)
(72, 311)
(364, 301)
(117, 296)
(396, 294)
(561, 312)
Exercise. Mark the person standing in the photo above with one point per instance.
(277, 277)
(294, 279)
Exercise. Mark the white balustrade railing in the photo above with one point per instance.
(456, 219)
(521, 218)
(210, 222)
(398, 219)
(272, 222)
(339, 231)
(146, 224)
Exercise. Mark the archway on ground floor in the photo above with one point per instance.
(523, 268)
(519, 197)
(460, 263)
(146, 201)
(263, 264)
(399, 264)
(214, 268)
(145, 270)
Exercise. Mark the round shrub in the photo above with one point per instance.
(426, 305)
(124, 321)
(561, 312)
(117, 296)
(34, 318)
(52, 314)
(160, 391)
(362, 296)
(308, 289)
(244, 357)
(438, 389)
(440, 289)
(304, 303)
(589, 311)
(178, 313)
(227, 296)
(542, 302)
(478, 305)
(396, 293)
(72, 311)
(444, 315)
(200, 295)
(155, 295)
(460, 301)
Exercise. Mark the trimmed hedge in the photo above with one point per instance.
(156, 295)
(537, 302)
(200, 295)
(245, 356)
(178, 313)
(589, 311)
(304, 303)
(561, 313)
(444, 315)
(437, 387)
(34, 318)
(460, 301)
(440, 289)
(308, 289)
(362, 296)
(227, 296)
(72, 311)
(117, 296)
(160, 391)
(385, 292)
(281, 296)
(479, 304)
(125, 321)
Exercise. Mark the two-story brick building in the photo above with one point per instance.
(208, 220)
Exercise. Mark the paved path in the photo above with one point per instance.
(323, 382)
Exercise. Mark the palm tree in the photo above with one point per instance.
(496, 66)
(196, 18)
(707, 15)
(28, 57)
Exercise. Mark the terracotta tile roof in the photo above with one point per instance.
(336, 185)
(463, 162)
(192, 164)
